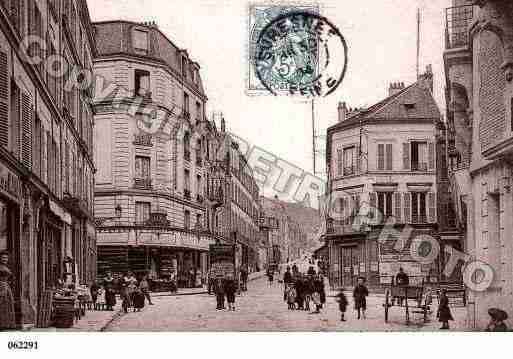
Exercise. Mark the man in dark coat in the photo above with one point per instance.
(219, 291)
(402, 279)
(360, 293)
(444, 312)
(300, 293)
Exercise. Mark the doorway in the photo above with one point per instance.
(350, 263)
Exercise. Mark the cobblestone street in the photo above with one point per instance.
(262, 309)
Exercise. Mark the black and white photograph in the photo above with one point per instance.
(253, 166)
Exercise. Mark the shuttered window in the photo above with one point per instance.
(340, 162)
(49, 161)
(407, 207)
(66, 167)
(15, 120)
(432, 207)
(406, 156)
(36, 147)
(381, 157)
(397, 207)
(26, 135)
(431, 156)
(389, 157)
(4, 100)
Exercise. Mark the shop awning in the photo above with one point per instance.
(60, 212)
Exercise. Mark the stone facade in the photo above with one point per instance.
(382, 161)
(46, 162)
(481, 95)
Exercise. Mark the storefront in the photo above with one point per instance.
(10, 197)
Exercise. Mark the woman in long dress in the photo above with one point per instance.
(7, 318)
(110, 293)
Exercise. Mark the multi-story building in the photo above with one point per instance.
(479, 73)
(233, 193)
(46, 162)
(153, 146)
(382, 158)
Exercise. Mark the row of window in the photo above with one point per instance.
(244, 202)
(406, 207)
(247, 230)
(417, 156)
(143, 211)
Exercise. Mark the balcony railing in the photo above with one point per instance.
(142, 183)
(146, 96)
(458, 20)
(187, 193)
(419, 167)
(143, 140)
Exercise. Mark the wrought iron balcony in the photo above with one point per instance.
(143, 140)
(458, 20)
(142, 183)
(158, 219)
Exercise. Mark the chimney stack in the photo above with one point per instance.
(395, 87)
(342, 111)
(426, 79)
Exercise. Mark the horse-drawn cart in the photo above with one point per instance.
(416, 299)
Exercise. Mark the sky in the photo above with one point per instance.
(381, 38)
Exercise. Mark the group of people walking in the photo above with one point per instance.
(301, 290)
(133, 292)
(225, 287)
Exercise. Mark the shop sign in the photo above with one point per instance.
(9, 182)
(222, 260)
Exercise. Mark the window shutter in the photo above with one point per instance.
(432, 207)
(26, 135)
(15, 119)
(4, 100)
(381, 157)
(340, 162)
(389, 156)
(397, 207)
(49, 160)
(406, 156)
(407, 207)
(431, 156)
(373, 200)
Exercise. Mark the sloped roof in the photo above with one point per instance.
(393, 108)
(115, 37)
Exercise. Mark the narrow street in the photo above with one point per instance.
(262, 309)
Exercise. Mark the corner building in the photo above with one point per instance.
(383, 157)
(153, 146)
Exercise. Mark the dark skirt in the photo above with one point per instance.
(110, 298)
(444, 314)
(138, 300)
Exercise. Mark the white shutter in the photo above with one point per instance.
(389, 164)
(381, 157)
(397, 207)
(407, 207)
(431, 207)
(4, 100)
(27, 116)
(406, 156)
(431, 156)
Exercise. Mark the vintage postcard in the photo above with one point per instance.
(255, 166)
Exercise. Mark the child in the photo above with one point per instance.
(94, 288)
(359, 294)
(100, 301)
(291, 297)
(444, 312)
(138, 300)
(342, 304)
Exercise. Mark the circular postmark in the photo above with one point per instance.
(302, 53)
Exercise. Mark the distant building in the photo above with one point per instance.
(479, 73)
(154, 148)
(382, 159)
(46, 150)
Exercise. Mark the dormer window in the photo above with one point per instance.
(409, 105)
(184, 66)
(140, 41)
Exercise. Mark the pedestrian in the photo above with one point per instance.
(230, 287)
(144, 286)
(219, 292)
(244, 279)
(7, 317)
(291, 296)
(444, 312)
(401, 279)
(129, 284)
(299, 293)
(101, 302)
(110, 292)
(359, 294)
(497, 318)
(270, 276)
(308, 291)
(342, 304)
(311, 271)
(94, 289)
(138, 299)
(319, 295)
